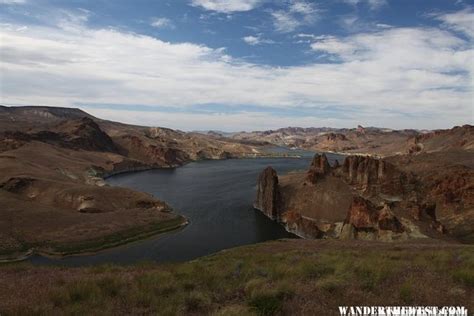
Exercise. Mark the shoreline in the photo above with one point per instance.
(19, 256)
(82, 250)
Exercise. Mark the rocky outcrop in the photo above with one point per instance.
(335, 137)
(373, 176)
(455, 188)
(319, 168)
(81, 134)
(366, 221)
(301, 226)
(141, 149)
(268, 194)
(425, 212)
(213, 153)
(388, 221)
(17, 184)
(459, 137)
(85, 134)
(363, 219)
(362, 214)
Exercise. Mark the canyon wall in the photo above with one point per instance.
(363, 198)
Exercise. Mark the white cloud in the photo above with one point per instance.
(333, 45)
(285, 22)
(256, 40)
(251, 40)
(12, 1)
(397, 77)
(297, 14)
(227, 6)
(461, 21)
(305, 35)
(383, 25)
(162, 23)
(373, 4)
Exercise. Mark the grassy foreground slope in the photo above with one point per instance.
(297, 277)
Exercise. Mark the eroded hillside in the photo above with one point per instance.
(52, 193)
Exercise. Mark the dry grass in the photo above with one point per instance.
(275, 278)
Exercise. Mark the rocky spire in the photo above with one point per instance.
(319, 168)
(268, 194)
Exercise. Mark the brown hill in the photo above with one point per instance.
(459, 137)
(53, 197)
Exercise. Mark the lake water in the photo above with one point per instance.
(216, 197)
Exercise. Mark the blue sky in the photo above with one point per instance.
(243, 65)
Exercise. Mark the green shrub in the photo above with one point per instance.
(83, 290)
(196, 301)
(234, 310)
(254, 286)
(406, 292)
(464, 276)
(315, 270)
(330, 284)
(59, 297)
(110, 286)
(141, 298)
(372, 271)
(266, 303)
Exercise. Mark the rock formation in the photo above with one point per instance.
(319, 168)
(78, 134)
(383, 202)
(388, 221)
(268, 194)
(301, 226)
(335, 137)
(85, 134)
(363, 215)
(373, 176)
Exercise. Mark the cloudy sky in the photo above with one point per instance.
(243, 64)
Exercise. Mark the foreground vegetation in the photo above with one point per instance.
(280, 277)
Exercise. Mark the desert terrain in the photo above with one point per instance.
(364, 140)
(408, 197)
(53, 161)
(427, 192)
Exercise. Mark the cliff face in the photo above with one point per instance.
(80, 134)
(154, 154)
(319, 168)
(301, 226)
(268, 194)
(85, 134)
(374, 176)
(366, 221)
(362, 214)
(364, 198)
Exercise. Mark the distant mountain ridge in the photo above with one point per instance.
(366, 140)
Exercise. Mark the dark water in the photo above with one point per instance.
(217, 198)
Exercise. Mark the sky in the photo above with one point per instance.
(243, 65)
